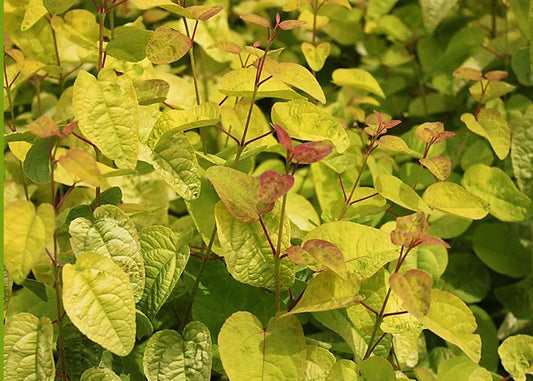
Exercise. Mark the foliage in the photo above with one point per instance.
(303, 190)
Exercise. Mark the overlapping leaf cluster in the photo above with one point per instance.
(268, 190)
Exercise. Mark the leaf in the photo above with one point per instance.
(318, 254)
(82, 166)
(58, 7)
(449, 318)
(358, 78)
(129, 43)
(394, 189)
(206, 114)
(291, 24)
(151, 91)
(272, 186)
(434, 11)
(377, 369)
(414, 288)
(491, 125)
(517, 298)
(250, 352)
(327, 291)
(99, 374)
(296, 76)
(439, 166)
(255, 19)
(316, 56)
(522, 152)
(343, 370)
(365, 249)
(394, 143)
(311, 152)
(238, 191)
(113, 235)
(303, 120)
(43, 127)
(465, 72)
(35, 10)
(99, 301)
(493, 90)
(462, 368)
(319, 363)
(37, 162)
(174, 159)
(164, 263)
(25, 240)
(169, 356)
(247, 252)
(107, 114)
(516, 353)
(167, 45)
(491, 184)
(453, 198)
(28, 352)
(499, 247)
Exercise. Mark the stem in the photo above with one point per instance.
(269, 239)
(364, 198)
(101, 19)
(56, 50)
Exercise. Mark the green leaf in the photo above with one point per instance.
(453, 198)
(379, 8)
(206, 114)
(493, 90)
(358, 78)
(516, 353)
(517, 298)
(129, 43)
(306, 121)
(449, 318)
(99, 301)
(434, 11)
(250, 352)
(167, 45)
(174, 159)
(394, 143)
(394, 189)
(522, 152)
(460, 368)
(343, 370)
(414, 288)
(25, 240)
(143, 325)
(491, 184)
(499, 247)
(58, 7)
(168, 356)
(377, 369)
(238, 191)
(365, 249)
(164, 262)
(327, 291)
(491, 125)
(151, 91)
(446, 225)
(28, 353)
(247, 252)
(37, 162)
(108, 115)
(113, 235)
(99, 374)
(489, 339)
(296, 76)
(316, 55)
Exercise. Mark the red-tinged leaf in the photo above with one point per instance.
(283, 137)
(434, 241)
(496, 75)
(43, 127)
(272, 186)
(427, 131)
(442, 136)
(69, 128)
(300, 256)
(255, 19)
(412, 231)
(468, 73)
(392, 123)
(328, 255)
(311, 152)
(291, 24)
(414, 288)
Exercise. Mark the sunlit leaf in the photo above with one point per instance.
(453, 198)
(491, 125)
(167, 45)
(414, 288)
(358, 78)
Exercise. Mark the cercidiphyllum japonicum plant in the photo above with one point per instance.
(188, 197)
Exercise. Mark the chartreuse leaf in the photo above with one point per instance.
(35, 10)
(327, 291)
(168, 356)
(238, 191)
(462, 368)
(99, 374)
(25, 238)
(506, 202)
(414, 288)
(151, 91)
(377, 369)
(306, 121)
(108, 115)
(453, 198)
(434, 11)
(28, 353)
(206, 114)
(251, 352)
(98, 299)
(316, 55)
(164, 262)
(343, 370)
(522, 151)
(319, 363)
(394, 189)
(365, 249)
(358, 78)
(247, 252)
(167, 45)
(82, 166)
(318, 255)
(516, 353)
(129, 43)
(491, 125)
(112, 234)
(174, 159)
(296, 76)
(58, 6)
(449, 318)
